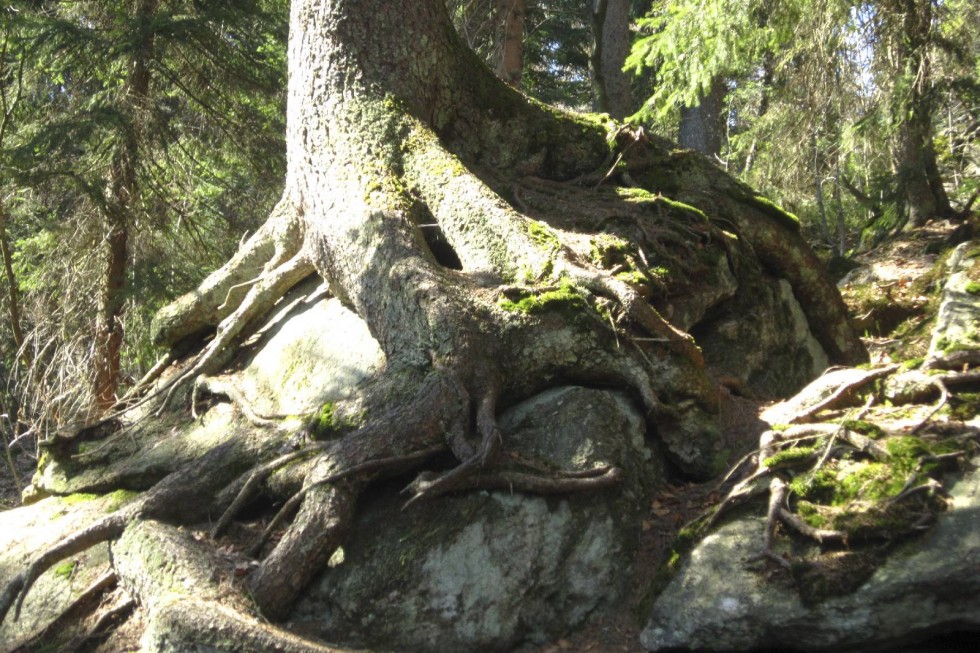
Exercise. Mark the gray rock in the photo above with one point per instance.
(291, 373)
(958, 320)
(716, 603)
(488, 570)
(27, 530)
(762, 338)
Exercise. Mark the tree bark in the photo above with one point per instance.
(920, 186)
(702, 126)
(611, 30)
(395, 130)
(510, 66)
(9, 97)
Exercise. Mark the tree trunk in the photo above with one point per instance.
(510, 66)
(9, 97)
(611, 29)
(483, 240)
(122, 195)
(13, 292)
(920, 187)
(702, 126)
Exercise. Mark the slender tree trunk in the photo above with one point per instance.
(818, 189)
(13, 292)
(702, 126)
(611, 30)
(510, 66)
(122, 199)
(839, 206)
(10, 94)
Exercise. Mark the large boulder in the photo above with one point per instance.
(957, 324)
(488, 570)
(718, 601)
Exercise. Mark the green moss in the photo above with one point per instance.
(65, 569)
(79, 497)
(812, 513)
(964, 406)
(119, 498)
(973, 288)
(681, 207)
(542, 234)
(789, 457)
(766, 206)
(863, 427)
(818, 486)
(913, 363)
(633, 277)
(642, 196)
(871, 481)
(328, 424)
(607, 251)
(565, 298)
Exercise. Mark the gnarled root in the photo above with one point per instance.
(189, 596)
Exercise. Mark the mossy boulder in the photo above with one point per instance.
(489, 570)
(720, 601)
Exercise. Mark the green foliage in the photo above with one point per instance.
(205, 145)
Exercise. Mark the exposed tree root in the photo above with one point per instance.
(365, 171)
(801, 466)
(261, 296)
(104, 530)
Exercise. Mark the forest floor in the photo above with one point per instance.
(893, 297)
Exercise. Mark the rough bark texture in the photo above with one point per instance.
(611, 26)
(494, 248)
(702, 126)
(510, 66)
(920, 186)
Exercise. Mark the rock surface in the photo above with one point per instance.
(488, 570)
(761, 337)
(958, 321)
(929, 585)
(25, 531)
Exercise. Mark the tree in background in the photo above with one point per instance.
(611, 21)
(146, 141)
(815, 88)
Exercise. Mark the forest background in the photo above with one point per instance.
(140, 141)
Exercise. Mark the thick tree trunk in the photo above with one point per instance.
(702, 126)
(510, 65)
(920, 187)
(611, 29)
(122, 197)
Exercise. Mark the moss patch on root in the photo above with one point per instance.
(329, 423)
(563, 298)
